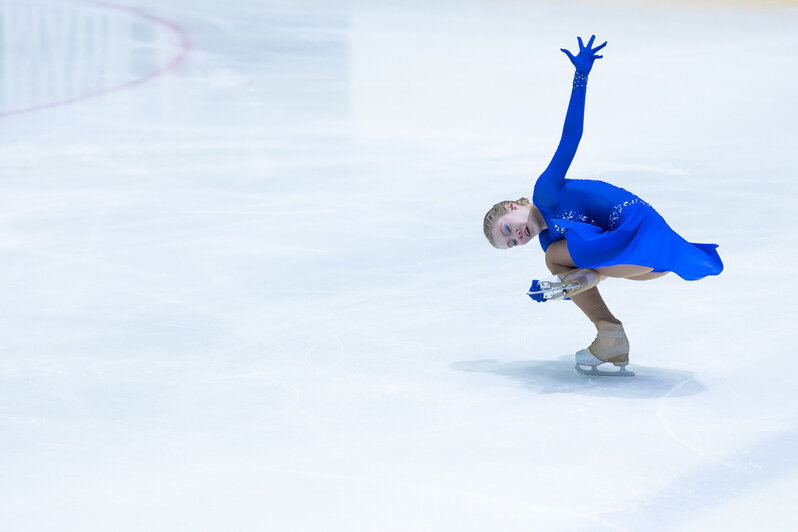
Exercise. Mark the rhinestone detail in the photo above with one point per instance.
(612, 222)
(571, 216)
(580, 80)
(615, 213)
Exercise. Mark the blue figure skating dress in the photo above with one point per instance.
(605, 225)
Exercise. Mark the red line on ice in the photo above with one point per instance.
(185, 48)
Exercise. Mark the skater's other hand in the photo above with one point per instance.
(536, 292)
(583, 61)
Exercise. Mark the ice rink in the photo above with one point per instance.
(245, 285)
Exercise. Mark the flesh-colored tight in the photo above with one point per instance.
(559, 260)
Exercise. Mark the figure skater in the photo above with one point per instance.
(591, 230)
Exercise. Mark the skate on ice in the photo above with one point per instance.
(610, 346)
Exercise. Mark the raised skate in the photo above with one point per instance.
(564, 285)
(547, 289)
(610, 346)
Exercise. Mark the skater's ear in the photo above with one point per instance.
(511, 206)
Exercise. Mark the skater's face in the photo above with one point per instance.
(516, 227)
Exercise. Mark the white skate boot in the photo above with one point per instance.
(610, 345)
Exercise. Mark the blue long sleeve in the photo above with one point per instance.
(551, 181)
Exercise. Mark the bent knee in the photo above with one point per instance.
(553, 266)
(558, 259)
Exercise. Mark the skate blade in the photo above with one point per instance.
(622, 371)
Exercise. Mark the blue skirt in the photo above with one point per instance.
(634, 234)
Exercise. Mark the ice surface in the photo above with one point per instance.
(247, 289)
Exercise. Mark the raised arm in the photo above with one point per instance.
(550, 182)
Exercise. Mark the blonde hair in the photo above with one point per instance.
(496, 212)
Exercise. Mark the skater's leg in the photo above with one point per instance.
(624, 271)
(589, 301)
(648, 276)
(610, 344)
(557, 256)
(592, 305)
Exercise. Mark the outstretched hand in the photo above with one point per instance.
(583, 61)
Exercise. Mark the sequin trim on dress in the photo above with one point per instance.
(572, 216)
(617, 210)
